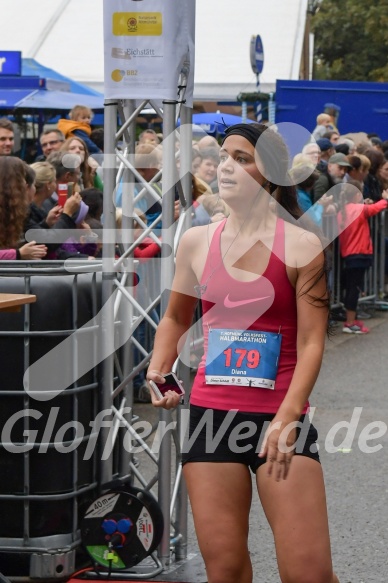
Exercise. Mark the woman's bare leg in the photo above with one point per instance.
(296, 511)
(220, 495)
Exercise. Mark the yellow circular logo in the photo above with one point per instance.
(117, 75)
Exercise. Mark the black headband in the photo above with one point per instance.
(249, 131)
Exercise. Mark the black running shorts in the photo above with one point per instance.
(233, 436)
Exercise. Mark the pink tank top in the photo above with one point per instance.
(266, 304)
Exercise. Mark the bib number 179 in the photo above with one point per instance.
(241, 357)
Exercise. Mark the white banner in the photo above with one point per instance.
(149, 45)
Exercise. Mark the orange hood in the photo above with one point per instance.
(67, 127)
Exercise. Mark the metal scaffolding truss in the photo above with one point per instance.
(138, 302)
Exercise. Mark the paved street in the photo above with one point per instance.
(353, 375)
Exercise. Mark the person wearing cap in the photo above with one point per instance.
(327, 150)
(336, 170)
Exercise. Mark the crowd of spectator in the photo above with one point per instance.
(32, 217)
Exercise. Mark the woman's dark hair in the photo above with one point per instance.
(355, 161)
(13, 201)
(274, 155)
(376, 160)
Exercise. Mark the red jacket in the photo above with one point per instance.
(356, 239)
(147, 249)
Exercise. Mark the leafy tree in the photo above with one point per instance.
(351, 40)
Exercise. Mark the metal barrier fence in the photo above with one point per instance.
(374, 285)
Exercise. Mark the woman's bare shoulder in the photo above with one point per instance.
(302, 246)
(299, 235)
(198, 234)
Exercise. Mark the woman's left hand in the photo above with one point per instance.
(279, 447)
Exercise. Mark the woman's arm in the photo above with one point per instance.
(312, 314)
(171, 331)
(8, 254)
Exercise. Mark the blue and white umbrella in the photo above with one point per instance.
(216, 122)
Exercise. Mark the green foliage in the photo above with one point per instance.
(351, 40)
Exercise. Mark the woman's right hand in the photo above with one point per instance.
(32, 251)
(53, 215)
(72, 204)
(171, 398)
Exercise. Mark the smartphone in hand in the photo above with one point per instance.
(172, 384)
(62, 194)
(70, 189)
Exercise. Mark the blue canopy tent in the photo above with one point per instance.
(41, 88)
(41, 95)
(31, 68)
(59, 100)
(10, 98)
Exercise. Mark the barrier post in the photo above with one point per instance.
(107, 322)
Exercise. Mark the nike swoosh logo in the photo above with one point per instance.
(228, 303)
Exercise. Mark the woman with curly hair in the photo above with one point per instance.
(77, 146)
(14, 204)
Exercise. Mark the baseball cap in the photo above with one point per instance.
(339, 159)
(324, 144)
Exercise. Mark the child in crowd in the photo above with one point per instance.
(147, 248)
(356, 247)
(324, 123)
(78, 125)
(211, 208)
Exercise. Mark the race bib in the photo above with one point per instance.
(247, 358)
